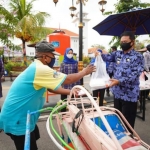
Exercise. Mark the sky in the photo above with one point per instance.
(60, 17)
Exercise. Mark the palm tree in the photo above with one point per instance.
(28, 25)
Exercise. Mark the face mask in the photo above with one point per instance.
(51, 63)
(125, 46)
(70, 55)
(91, 55)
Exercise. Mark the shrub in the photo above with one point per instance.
(86, 60)
(10, 64)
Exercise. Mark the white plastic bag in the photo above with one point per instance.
(147, 82)
(142, 80)
(100, 78)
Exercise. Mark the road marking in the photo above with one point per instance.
(43, 116)
(5, 87)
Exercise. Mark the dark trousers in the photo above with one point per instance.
(110, 75)
(128, 109)
(63, 97)
(1, 95)
(99, 93)
(19, 140)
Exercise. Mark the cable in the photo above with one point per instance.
(75, 129)
(51, 125)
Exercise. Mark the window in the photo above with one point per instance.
(55, 43)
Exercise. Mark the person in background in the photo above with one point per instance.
(147, 59)
(109, 69)
(69, 66)
(128, 66)
(147, 64)
(100, 92)
(1, 74)
(27, 92)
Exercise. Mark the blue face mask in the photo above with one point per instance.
(51, 63)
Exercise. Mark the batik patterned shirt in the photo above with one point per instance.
(69, 69)
(127, 69)
(110, 68)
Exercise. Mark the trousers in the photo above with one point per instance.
(128, 109)
(19, 140)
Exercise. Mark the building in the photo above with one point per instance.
(85, 21)
(74, 39)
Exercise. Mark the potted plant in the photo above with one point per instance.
(15, 66)
(86, 61)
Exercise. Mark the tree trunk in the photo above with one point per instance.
(24, 52)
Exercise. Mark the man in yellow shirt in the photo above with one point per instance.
(28, 93)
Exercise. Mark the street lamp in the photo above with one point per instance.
(102, 3)
(72, 8)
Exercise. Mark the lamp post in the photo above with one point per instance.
(102, 3)
(72, 8)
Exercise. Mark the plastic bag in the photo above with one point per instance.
(100, 78)
(147, 82)
(144, 83)
(142, 80)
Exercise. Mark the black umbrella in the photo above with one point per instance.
(137, 21)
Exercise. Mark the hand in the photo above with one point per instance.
(113, 82)
(100, 52)
(76, 91)
(97, 53)
(89, 69)
(104, 52)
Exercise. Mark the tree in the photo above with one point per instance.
(26, 25)
(29, 25)
(98, 46)
(138, 45)
(6, 27)
(123, 6)
(146, 42)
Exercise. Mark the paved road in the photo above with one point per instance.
(45, 143)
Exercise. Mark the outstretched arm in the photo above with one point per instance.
(63, 91)
(72, 78)
(60, 90)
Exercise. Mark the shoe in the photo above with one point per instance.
(104, 102)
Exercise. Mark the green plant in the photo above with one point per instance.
(86, 60)
(8, 67)
(10, 64)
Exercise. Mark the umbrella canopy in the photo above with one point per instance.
(137, 21)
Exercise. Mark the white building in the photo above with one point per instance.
(74, 36)
(85, 21)
(74, 39)
(30, 51)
